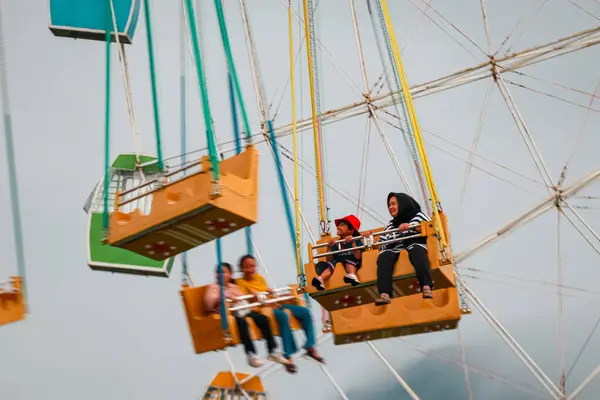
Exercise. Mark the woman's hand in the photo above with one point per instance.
(403, 227)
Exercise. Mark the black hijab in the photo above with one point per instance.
(407, 208)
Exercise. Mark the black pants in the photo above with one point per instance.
(385, 268)
(262, 322)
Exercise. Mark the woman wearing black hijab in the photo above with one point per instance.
(404, 211)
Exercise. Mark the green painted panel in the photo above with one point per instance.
(127, 162)
(103, 253)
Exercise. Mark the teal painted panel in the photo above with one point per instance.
(109, 258)
(86, 19)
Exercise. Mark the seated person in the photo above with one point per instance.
(404, 211)
(252, 283)
(212, 300)
(347, 229)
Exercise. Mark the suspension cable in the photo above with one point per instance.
(128, 92)
(238, 145)
(210, 137)
(268, 133)
(224, 322)
(307, 32)
(415, 126)
(108, 39)
(12, 167)
(231, 65)
(183, 118)
(153, 82)
(318, 94)
(401, 104)
(295, 139)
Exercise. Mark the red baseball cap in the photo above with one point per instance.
(350, 220)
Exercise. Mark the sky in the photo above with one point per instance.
(96, 335)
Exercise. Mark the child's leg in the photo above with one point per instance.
(324, 269)
(420, 261)
(326, 274)
(351, 267)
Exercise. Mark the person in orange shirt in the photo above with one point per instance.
(252, 283)
(231, 291)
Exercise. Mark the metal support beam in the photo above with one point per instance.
(512, 343)
(401, 381)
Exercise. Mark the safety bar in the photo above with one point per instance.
(148, 183)
(330, 253)
(261, 303)
(7, 287)
(277, 291)
(155, 180)
(411, 226)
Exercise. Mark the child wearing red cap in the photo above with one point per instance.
(347, 229)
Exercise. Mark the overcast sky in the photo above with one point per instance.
(93, 335)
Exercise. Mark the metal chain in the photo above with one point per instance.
(408, 137)
(324, 225)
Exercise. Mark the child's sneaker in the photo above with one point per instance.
(318, 283)
(254, 361)
(351, 279)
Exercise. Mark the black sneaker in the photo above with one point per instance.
(316, 282)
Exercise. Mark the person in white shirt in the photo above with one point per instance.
(404, 211)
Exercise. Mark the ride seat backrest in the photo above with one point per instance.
(238, 165)
(193, 298)
(12, 304)
(205, 328)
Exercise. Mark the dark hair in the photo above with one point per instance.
(228, 267)
(349, 226)
(244, 258)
